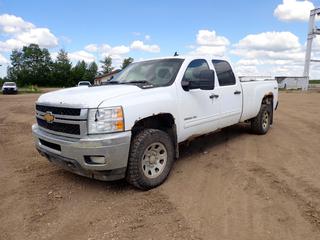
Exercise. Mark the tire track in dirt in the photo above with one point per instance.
(308, 207)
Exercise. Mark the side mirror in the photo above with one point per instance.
(205, 81)
(185, 84)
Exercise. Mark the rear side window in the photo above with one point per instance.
(224, 73)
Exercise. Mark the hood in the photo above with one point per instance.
(86, 97)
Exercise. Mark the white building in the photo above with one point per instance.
(293, 82)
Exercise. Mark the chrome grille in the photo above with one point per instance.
(60, 127)
(59, 110)
(68, 121)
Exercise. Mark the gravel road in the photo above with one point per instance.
(227, 185)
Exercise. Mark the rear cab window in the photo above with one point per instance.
(224, 73)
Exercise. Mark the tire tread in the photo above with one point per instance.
(133, 174)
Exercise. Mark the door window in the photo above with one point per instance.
(193, 72)
(224, 73)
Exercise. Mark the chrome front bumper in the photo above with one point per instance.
(72, 154)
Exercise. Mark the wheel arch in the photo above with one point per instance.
(268, 100)
(162, 121)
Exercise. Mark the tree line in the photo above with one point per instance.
(33, 65)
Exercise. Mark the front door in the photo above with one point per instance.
(199, 109)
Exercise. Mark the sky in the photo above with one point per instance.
(257, 37)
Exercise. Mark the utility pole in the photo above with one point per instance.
(313, 31)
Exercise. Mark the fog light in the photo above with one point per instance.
(98, 159)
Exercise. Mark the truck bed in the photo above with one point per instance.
(253, 90)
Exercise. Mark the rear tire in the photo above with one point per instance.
(151, 159)
(261, 123)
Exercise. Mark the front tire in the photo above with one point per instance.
(151, 159)
(261, 123)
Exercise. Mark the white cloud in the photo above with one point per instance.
(3, 60)
(8, 45)
(21, 33)
(139, 45)
(119, 50)
(105, 50)
(81, 55)
(263, 54)
(13, 24)
(41, 36)
(217, 51)
(270, 41)
(292, 10)
(243, 70)
(209, 43)
(147, 37)
(54, 55)
(270, 45)
(248, 62)
(270, 54)
(210, 38)
(91, 48)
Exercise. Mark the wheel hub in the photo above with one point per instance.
(265, 120)
(154, 160)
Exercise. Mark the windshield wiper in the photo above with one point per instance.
(146, 84)
(111, 82)
(140, 81)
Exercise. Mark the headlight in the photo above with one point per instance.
(105, 120)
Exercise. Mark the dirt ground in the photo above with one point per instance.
(228, 185)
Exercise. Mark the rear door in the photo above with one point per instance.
(230, 94)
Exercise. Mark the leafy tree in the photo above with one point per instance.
(78, 72)
(15, 71)
(126, 62)
(106, 65)
(31, 66)
(91, 72)
(61, 72)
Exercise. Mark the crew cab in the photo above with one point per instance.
(9, 87)
(132, 127)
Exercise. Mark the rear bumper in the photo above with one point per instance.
(72, 154)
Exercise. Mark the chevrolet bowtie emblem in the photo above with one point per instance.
(49, 117)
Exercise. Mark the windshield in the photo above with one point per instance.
(153, 73)
(11, 84)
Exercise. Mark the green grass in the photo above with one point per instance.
(30, 89)
(314, 81)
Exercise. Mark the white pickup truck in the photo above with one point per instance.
(131, 128)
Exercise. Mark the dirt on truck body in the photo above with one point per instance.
(227, 185)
